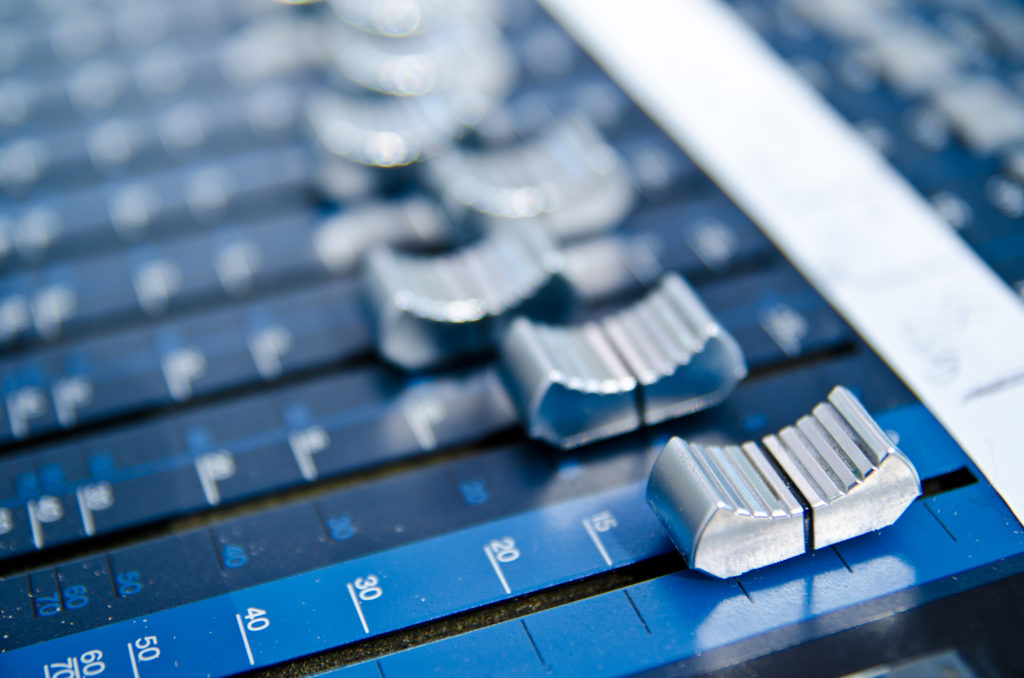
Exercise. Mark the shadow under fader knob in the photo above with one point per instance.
(832, 476)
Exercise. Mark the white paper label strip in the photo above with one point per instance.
(854, 227)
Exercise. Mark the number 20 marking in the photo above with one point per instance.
(500, 551)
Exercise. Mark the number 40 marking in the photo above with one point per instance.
(255, 620)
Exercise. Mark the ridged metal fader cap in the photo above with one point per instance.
(568, 176)
(429, 309)
(725, 508)
(833, 476)
(462, 53)
(383, 131)
(665, 356)
(398, 19)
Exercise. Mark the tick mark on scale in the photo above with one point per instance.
(939, 520)
(596, 538)
(637, 610)
(358, 606)
(536, 649)
(135, 664)
(245, 640)
(497, 568)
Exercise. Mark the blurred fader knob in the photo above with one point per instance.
(461, 53)
(405, 18)
(389, 131)
(414, 222)
(430, 309)
(663, 357)
(566, 175)
(730, 509)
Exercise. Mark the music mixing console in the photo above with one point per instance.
(342, 338)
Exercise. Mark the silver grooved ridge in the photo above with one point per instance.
(732, 509)
(663, 357)
(849, 472)
(431, 308)
(682, 359)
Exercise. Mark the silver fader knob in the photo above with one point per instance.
(404, 18)
(732, 509)
(383, 131)
(726, 509)
(663, 357)
(413, 222)
(569, 384)
(568, 176)
(468, 54)
(429, 309)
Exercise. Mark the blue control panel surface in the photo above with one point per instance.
(398, 587)
(208, 469)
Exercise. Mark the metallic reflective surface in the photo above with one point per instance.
(461, 53)
(730, 509)
(412, 78)
(413, 222)
(684, 361)
(662, 357)
(726, 509)
(405, 18)
(567, 175)
(428, 309)
(389, 131)
(851, 475)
